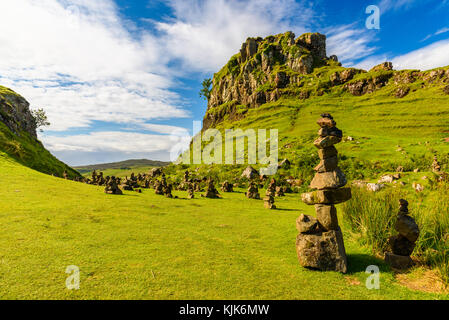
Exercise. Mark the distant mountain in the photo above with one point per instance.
(127, 164)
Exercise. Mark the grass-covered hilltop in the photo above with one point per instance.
(144, 245)
(392, 118)
(18, 138)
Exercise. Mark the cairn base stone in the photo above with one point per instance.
(400, 245)
(398, 262)
(324, 251)
(327, 216)
(327, 196)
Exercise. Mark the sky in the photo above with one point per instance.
(119, 79)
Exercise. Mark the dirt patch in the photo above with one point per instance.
(422, 280)
(352, 281)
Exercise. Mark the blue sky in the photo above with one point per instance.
(120, 79)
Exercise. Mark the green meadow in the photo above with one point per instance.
(144, 246)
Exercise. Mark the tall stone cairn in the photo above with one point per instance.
(319, 244)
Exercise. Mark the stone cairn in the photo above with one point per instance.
(403, 244)
(190, 190)
(112, 186)
(268, 200)
(166, 187)
(319, 244)
(227, 187)
(253, 191)
(436, 167)
(211, 191)
(279, 191)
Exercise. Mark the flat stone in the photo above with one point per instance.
(326, 122)
(327, 216)
(400, 245)
(307, 224)
(407, 227)
(327, 165)
(328, 152)
(327, 196)
(325, 142)
(397, 261)
(324, 251)
(328, 180)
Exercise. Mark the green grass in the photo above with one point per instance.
(144, 246)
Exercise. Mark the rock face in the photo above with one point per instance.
(320, 244)
(255, 75)
(15, 113)
(403, 244)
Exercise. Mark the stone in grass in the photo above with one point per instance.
(327, 196)
(323, 251)
(398, 262)
(327, 216)
(328, 180)
(307, 224)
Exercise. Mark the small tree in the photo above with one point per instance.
(40, 118)
(206, 89)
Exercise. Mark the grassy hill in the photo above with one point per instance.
(112, 167)
(144, 246)
(22, 145)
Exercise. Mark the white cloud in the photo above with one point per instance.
(349, 44)
(77, 60)
(429, 57)
(205, 34)
(107, 146)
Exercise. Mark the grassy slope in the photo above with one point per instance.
(147, 246)
(28, 151)
(379, 123)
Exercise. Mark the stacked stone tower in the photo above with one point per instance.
(403, 244)
(319, 244)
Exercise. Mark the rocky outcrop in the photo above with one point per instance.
(15, 113)
(262, 67)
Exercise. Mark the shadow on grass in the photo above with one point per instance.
(284, 209)
(359, 262)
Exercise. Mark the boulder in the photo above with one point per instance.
(386, 66)
(327, 216)
(400, 245)
(325, 142)
(398, 262)
(407, 227)
(327, 196)
(324, 251)
(326, 165)
(250, 173)
(307, 224)
(328, 180)
(327, 152)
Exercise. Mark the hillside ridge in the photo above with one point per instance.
(282, 66)
(18, 137)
